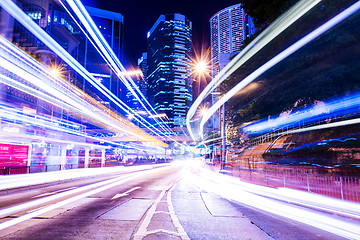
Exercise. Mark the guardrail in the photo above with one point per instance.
(337, 186)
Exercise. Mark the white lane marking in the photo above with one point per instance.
(174, 218)
(125, 193)
(142, 231)
(51, 193)
(107, 184)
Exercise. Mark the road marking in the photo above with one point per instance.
(142, 230)
(119, 195)
(174, 218)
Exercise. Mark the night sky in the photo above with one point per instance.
(139, 16)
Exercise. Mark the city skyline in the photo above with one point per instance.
(137, 25)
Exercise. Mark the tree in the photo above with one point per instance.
(265, 12)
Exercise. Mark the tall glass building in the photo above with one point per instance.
(169, 82)
(111, 26)
(228, 29)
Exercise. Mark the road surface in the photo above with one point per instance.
(152, 204)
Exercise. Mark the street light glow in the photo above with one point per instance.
(201, 67)
(203, 111)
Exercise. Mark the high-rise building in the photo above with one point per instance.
(228, 29)
(142, 64)
(169, 82)
(140, 81)
(111, 26)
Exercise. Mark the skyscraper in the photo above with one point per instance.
(228, 29)
(140, 81)
(142, 64)
(111, 26)
(169, 82)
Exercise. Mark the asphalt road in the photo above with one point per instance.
(153, 204)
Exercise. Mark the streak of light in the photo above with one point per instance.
(99, 187)
(328, 125)
(276, 201)
(37, 81)
(26, 21)
(38, 76)
(158, 115)
(321, 111)
(278, 58)
(130, 73)
(106, 51)
(127, 73)
(278, 26)
(53, 124)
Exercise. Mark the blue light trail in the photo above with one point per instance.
(278, 58)
(319, 112)
(278, 26)
(27, 22)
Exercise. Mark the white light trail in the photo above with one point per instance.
(284, 202)
(318, 112)
(27, 22)
(37, 74)
(96, 188)
(281, 56)
(278, 26)
(37, 82)
(107, 53)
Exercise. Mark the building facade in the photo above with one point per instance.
(169, 82)
(228, 29)
(111, 26)
(142, 64)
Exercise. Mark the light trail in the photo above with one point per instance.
(106, 52)
(82, 106)
(89, 190)
(27, 22)
(278, 26)
(278, 58)
(322, 111)
(48, 123)
(41, 84)
(325, 213)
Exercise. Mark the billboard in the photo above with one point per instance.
(13, 155)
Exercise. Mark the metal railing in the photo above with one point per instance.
(337, 186)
